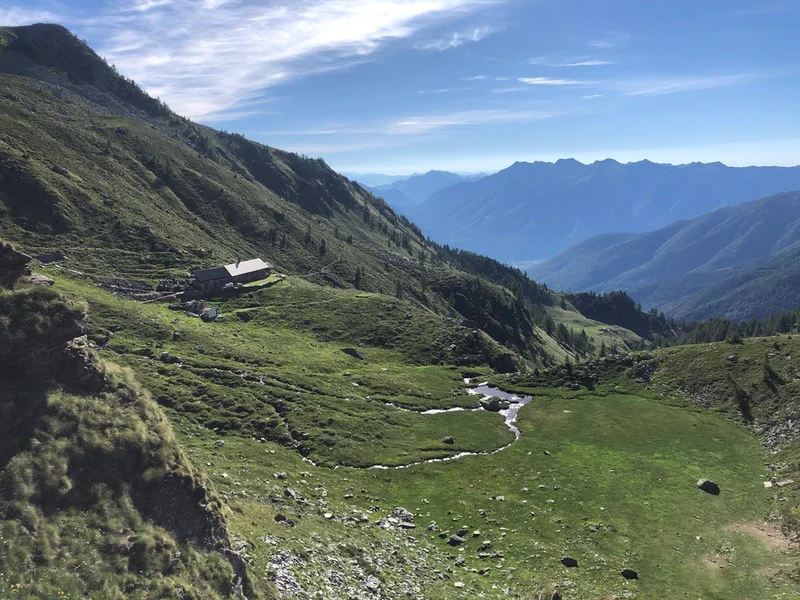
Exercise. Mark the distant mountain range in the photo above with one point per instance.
(414, 190)
(534, 210)
(739, 262)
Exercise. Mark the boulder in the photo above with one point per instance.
(456, 540)
(490, 404)
(354, 353)
(629, 574)
(39, 279)
(708, 486)
(279, 518)
(13, 265)
(449, 439)
(402, 514)
(569, 562)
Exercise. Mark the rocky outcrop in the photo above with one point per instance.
(12, 265)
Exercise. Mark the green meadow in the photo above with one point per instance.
(604, 477)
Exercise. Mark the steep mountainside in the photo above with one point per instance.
(532, 211)
(738, 262)
(95, 169)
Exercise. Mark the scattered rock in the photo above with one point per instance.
(546, 453)
(402, 514)
(785, 482)
(629, 574)
(449, 440)
(373, 583)
(218, 443)
(279, 518)
(281, 475)
(556, 595)
(49, 257)
(60, 170)
(38, 279)
(733, 358)
(569, 562)
(456, 540)
(110, 202)
(490, 404)
(708, 486)
(354, 353)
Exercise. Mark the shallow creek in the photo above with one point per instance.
(484, 390)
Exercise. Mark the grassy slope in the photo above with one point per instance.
(639, 460)
(96, 497)
(141, 202)
(757, 382)
(634, 457)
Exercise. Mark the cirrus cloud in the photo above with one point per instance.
(207, 58)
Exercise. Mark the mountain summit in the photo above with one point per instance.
(531, 211)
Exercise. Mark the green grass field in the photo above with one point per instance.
(278, 387)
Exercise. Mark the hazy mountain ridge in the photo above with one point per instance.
(534, 210)
(406, 193)
(738, 262)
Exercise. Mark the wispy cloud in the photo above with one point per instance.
(486, 78)
(208, 57)
(592, 96)
(588, 63)
(442, 90)
(676, 85)
(13, 16)
(458, 38)
(425, 124)
(550, 61)
(552, 81)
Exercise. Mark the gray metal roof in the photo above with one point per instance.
(211, 274)
(246, 266)
(232, 270)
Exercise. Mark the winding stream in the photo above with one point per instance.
(485, 391)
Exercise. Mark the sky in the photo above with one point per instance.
(402, 86)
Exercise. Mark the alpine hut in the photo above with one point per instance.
(216, 278)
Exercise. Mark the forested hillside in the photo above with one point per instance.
(739, 262)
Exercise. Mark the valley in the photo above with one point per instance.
(605, 476)
(375, 415)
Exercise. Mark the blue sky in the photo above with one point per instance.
(464, 85)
